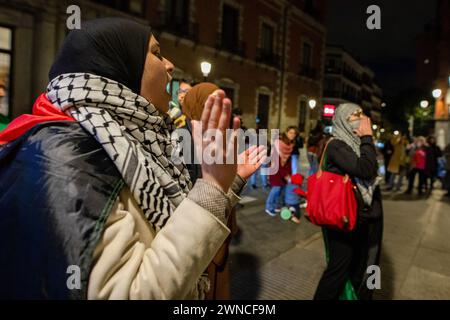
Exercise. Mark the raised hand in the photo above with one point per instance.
(250, 160)
(365, 128)
(210, 134)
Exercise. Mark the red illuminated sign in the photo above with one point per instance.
(328, 110)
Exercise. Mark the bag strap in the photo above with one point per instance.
(319, 172)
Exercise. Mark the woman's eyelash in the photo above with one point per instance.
(158, 54)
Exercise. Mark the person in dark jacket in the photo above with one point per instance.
(433, 153)
(351, 151)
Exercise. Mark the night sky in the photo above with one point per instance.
(390, 52)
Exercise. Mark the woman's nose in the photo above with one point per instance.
(169, 66)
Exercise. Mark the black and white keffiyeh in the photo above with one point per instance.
(135, 135)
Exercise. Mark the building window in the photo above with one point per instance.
(177, 13)
(306, 68)
(263, 110)
(306, 54)
(302, 116)
(6, 36)
(229, 92)
(265, 51)
(267, 35)
(230, 28)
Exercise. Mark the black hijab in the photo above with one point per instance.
(114, 48)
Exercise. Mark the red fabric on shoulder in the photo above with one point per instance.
(43, 111)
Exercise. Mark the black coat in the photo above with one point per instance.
(57, 188)
(194, 168)
(433, 152)
(350, 253)
(341, 159)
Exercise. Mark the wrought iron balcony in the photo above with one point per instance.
(333, 70)
(352, 77)
(268, 58)
(178, 28)
(332, 94)
(232, 46)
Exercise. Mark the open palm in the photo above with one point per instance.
(251, 160)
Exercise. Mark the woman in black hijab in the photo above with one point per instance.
(94, 206)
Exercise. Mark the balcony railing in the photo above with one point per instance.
(332, 94)
(181, 29)
(350, 97)
(333, 70)
(308, 71)
(352, 77)
(268, 58)
(366, 80)
(366, 97)
(234, 47)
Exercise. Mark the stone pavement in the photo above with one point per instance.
(276, 259)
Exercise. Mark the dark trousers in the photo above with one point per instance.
(412, 177)
(347, 256)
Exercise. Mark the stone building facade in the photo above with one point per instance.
(268, 55)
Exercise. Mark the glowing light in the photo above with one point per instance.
(424, 103)
(436, 93)
(206, 68)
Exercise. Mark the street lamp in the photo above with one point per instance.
(374, 127)
(436, 93)
(396, 132)
(206, 69)
(424, 104)
(312, 103)
(382, 130)
(383, 105)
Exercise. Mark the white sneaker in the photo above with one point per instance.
(272, 214)
(303, 205)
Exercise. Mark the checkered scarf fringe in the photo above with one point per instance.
(133, 133)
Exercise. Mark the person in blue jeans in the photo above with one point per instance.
(278, 182)
(262, 178)
(273, 203)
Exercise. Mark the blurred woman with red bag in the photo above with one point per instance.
(352, 152)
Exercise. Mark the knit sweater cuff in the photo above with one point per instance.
(238, 184)
(212, 198)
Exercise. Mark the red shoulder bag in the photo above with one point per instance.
(331, 200)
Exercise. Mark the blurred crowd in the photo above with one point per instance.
(408, 159)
